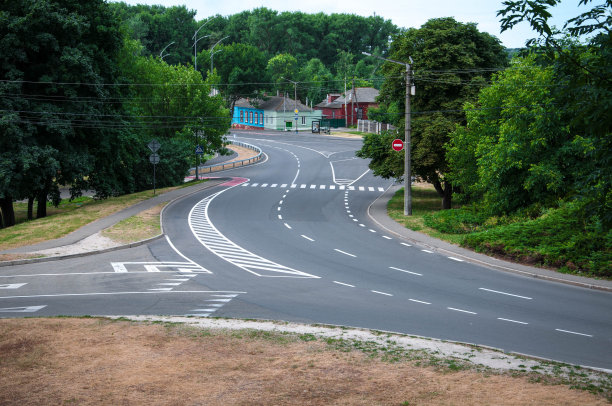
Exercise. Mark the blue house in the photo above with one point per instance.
(246, 116)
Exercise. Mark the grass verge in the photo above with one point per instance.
(69, 216)
(99, 361)
(556, 238)
(136, 228)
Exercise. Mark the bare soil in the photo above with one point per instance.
(103, 362)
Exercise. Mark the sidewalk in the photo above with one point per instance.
(378, 213)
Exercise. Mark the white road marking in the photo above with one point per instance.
(178, 280)
(460, 310)
(332, 187)
(308, 238)
(380, 189)
(505, 293)
(355, 220)
(161, 289)
(218, 244)
(274, 185)
(428, 251)
(284, 185)
(112, 293)
(370, 188)
(168, 284)
(122, 267)
(573, 332)
(407, 245)
(344, 284)
(12, 285)
(381, 293)
(361, 188)
(254, 184)
(345, 253)
(512, 321)
(280, 217)
(403, 270)
(419, 301)
(264, 185)
(24, 309)
(293, 186)
(303, 186)
(372, 231)
(386, 237)
(281, 202)
(278, 209)
(361, 225)
(455, 259)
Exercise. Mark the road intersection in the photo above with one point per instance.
(290, 238)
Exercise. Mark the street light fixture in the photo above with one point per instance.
(213, 54)
(161, 54)
(195, 43)
(295, 99)
(407, 134)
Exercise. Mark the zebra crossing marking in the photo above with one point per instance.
(212, 239)
(313, 187)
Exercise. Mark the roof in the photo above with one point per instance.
(273, 103)
(362, 95)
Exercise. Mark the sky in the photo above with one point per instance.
(403, 13)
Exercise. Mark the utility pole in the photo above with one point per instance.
(295, 100)
(195, 43)
(407, 133)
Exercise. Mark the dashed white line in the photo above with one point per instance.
(278, 209)
(403, 270)
(428, 251)
(308, 238)
(345, 253)
(361, 225)
(573, 332)
(460, 310)
(381, 293)
(407, 245)
(512, 321)
(505, 293)
(287, 225)
(344, 284)
(419, 301)
(455, 259)
(386, 237)
(372, 231)
(280, 217)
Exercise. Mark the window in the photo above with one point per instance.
(262, 118)
(251, 117)
(256, 118)
(303, 119)
(241, 116)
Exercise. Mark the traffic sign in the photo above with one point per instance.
(199, 150)
(296, 111)
(154, 145)
(154, 158)
(397, 144)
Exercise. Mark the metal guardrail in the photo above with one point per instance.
(234, 164)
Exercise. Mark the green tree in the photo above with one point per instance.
(586, 101)
(452, 61)
(314, 78)
(280, 68)
(58, 62)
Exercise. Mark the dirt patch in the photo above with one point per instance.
(97, 361)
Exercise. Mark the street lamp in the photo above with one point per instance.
(295, 99)
(407, 134)
(161, 54)
(212, 53)
(195, 43)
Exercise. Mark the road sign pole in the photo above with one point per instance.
(154, 165)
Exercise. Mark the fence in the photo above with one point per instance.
(234, 164)
(374, 127)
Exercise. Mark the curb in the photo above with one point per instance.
(468, 256)
(110, 249)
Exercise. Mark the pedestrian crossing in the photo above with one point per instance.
(307, 186)
(218, 244)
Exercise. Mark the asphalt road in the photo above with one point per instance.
(290, 239)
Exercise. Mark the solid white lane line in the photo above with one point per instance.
(573, 332)
(344, 284)
(287, 225)
(168, 284)
(403, 270)
(512, 321)
(505, 293)
(407, 245)
(381, 293)
(455, 259)
(345, 253)
(178, 280)
(418, 301)
(460, 310)
(308, 238)
(162, 289)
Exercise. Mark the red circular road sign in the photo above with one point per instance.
(397, 144)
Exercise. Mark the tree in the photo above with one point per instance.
(280, 68)
(314, 78)
(586, 101)
(57, 59)
(452, 61)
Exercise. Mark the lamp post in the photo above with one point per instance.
(161, 54)
(212, 53)
(195, 43)
(295, 100)
(407, 134)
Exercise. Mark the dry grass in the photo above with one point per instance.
(136, 228)
(96, 361)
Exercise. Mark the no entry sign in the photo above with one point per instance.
(397, 144)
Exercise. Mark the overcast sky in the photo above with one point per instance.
(403, 13)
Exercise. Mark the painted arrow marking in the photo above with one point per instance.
(12, 285)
